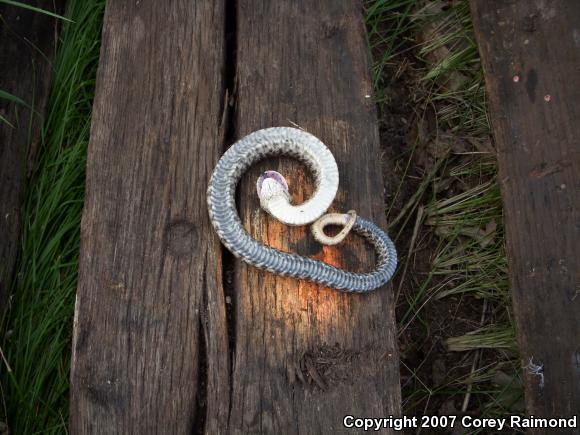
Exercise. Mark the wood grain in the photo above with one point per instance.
(304, 356)
(145, 348)
(26, 51)
(172, 336)
(531, 57)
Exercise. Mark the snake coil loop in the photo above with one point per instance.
(274, 198)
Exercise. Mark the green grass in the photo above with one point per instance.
(7, 95)
(387, 22)
(469, 256)
(453, 74)
(33, 8)
(36, 331)
(457, 205)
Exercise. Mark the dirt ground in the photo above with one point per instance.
(426, 363)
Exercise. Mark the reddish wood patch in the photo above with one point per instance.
(168, 338)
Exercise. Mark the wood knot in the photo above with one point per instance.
(181, 238)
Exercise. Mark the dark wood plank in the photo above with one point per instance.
(26, 50)
(531, 58)
(304, 356)
(149, 334)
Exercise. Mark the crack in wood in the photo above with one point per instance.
(243, 66)
(200, 414)
(229, 132)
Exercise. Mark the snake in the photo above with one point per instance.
(273, 193)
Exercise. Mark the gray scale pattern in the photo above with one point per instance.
(224, 217)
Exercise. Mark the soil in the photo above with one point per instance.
(426, 364)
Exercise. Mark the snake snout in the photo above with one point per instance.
(271, 184)
(346, 220)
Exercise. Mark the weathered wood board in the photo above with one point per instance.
(171, 334)
(531, 58)
(304, 355)
(149, 290)
(27, 42)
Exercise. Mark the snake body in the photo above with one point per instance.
(319, 160)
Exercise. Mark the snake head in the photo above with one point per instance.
(271, 185)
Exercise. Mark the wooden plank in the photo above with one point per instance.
(27, 48)
(531, 58)
(304, 356)
(146, 354)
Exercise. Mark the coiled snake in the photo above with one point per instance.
(275, 199)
